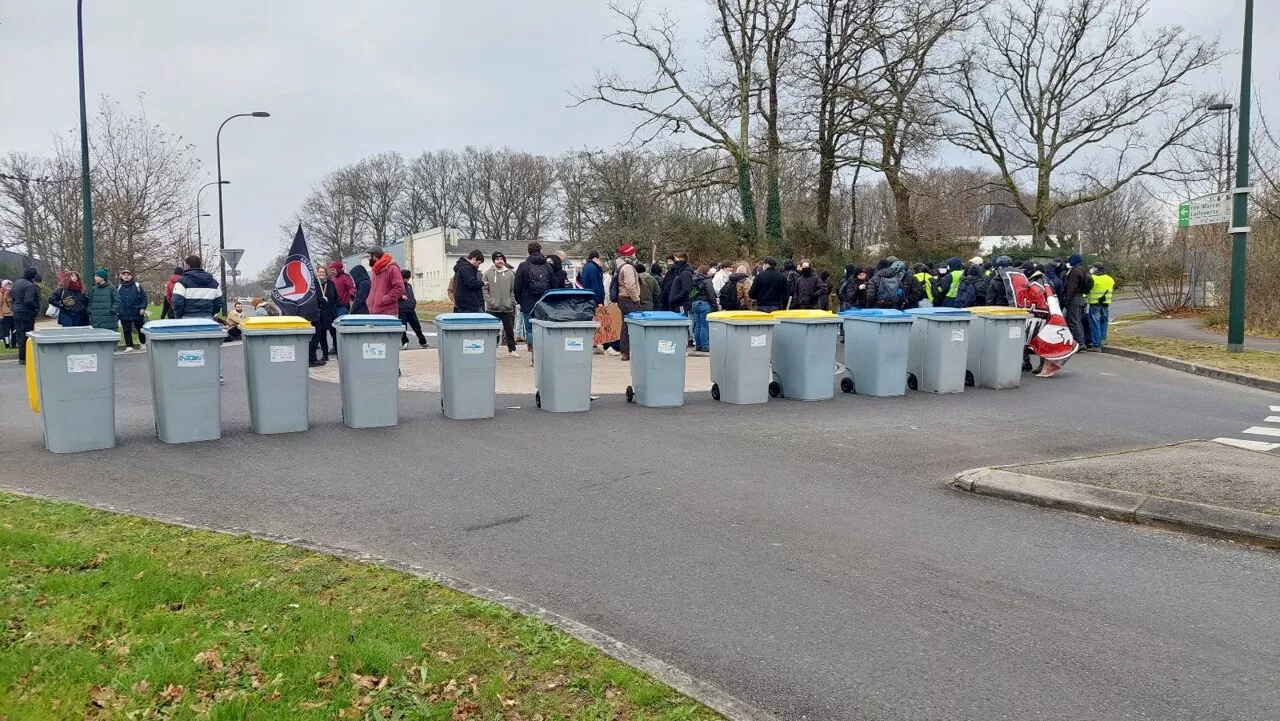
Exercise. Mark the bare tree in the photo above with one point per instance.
(431, 196)
(331, 215)
(377, 185)
(1054, 88)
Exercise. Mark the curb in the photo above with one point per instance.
(701, 691)
(1244, 379)
(1201, 519)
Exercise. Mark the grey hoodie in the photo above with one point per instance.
(500, 290)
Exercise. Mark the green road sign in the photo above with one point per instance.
(1184, 215)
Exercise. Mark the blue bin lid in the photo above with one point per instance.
(368, 320)
(872, 313)
(940, 313)
(181, 325)
(657, 315)
(448, 319)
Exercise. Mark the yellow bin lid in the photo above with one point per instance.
(805, 314)
(998, 310)
(275, 322)
(741, 316)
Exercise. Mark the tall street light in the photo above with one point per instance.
(1225, 108)
(222, 240)
(199, 215)
(1240, 194)
(86, 198)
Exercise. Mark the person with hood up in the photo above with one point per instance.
(133, 310)
(387, 285)
(677, 298)
(70, 300)
(947, 286)
(1075, 300)
(1053, 273)
(500, 298)
(559, 276)
(103, 301)
(534, 276)
(26, 306)
(650, 288)
(409, 314)
(792, 274)
(361, 282)
(345, 287)
(664, 280)
(196, 294)
(468, 286)
(852, 291)
(702, 303)
(893, 288)
(972, 287)
(6, 312)
(824, 300)
(808, 287)
(769, 288)
(166, 308)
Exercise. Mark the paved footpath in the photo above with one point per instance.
(1192, 329)
(807, 558)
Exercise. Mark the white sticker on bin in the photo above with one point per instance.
(472, 346)
(957, 335)
(84, 363)
(759, 341)
(191, 358)
(667, 347)
(282, 354)
(373, 351)
(1015, 331)
(574, 344)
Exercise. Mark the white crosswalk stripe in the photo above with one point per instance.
(1272, 419)
(1248, 445)
(1275, 409)
(1263, 431)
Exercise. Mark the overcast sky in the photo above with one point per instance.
(344, 79)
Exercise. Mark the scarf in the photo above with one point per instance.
(382, 263)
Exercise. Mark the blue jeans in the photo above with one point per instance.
(1099, 318)
(528, 329)
(701, 331)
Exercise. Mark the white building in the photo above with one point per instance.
(988, 243)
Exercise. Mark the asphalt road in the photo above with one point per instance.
(804, 557)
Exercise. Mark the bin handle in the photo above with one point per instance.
(33, 392)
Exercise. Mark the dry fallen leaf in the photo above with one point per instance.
(370, 682)
(97, 561)
(327, 680)
(209, 659)
(172, 694)
(140, 575)
(41, 600)
(176, 606)
(312, 705)
(464, 709)
(446, 657)
(101, 697)
(141, 687)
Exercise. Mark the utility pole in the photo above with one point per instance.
(85, 193)
(1240, 195)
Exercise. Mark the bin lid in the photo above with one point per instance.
(367, 319)
(77, 334)
(998, 311)
(446, 320)
(182, 325)
(872, 313)
(743, 316)
(940, 313)
(657, 315)
(275, 322)
(804, 314)
(565, 293)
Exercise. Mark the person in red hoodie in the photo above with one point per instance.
(344, 285)
(387, 287)
(167, 310)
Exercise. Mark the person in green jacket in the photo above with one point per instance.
(104, 302)
(1100, 305)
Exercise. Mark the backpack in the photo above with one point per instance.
(967, 296)
(889, 291)
(847, 291)
(539, 279)
(729, 296)
(613, 287)
(1086, 287)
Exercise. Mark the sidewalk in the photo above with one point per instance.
(1192, 329)
(1201, 487)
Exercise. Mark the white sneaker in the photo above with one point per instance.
(610, 351)
(404, 346)
(143, 347)
(513, 354)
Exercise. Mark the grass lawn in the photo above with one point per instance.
(111, 616)
(1252, 362)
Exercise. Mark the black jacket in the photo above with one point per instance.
(677, 295)
(328, 300)
(665, 284)
(769, 289)
(996, 293)
(196, 295)
(912, 291)
(468, 288)
(526, 291)
(360, 302)
(704, 289)
(25, 295)
(133, 300)
(1077, 279)
(409, 303)
(808, 291)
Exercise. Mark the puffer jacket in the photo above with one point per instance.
(104, 306)
(808, 290)
(196, 295)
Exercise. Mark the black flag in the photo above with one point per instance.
(296, 291)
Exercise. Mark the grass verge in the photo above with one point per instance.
(112, 616)
(1252, 362)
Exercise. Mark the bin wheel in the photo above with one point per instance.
(537, 398)
(715, 391)
(911, 382)
(631, 394)
(846, 385)
(775, 389)
(968, 378)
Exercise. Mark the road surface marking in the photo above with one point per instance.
(1248, 445)
(1275, 409)
(1272, 419)
(1263, 431)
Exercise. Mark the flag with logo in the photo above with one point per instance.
(296, 291)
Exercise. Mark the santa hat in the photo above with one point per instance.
(627, 250)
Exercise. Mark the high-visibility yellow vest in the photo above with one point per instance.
(925, 280)
(1103, 284)
(956, 275)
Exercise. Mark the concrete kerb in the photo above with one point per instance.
(1170, 513)
(705, 693)
(1244, 379)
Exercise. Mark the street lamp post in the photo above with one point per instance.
(222, 240)
(199, 215)
(86, 197)
(1240, 195)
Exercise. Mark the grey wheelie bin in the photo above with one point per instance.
(741, 348)
(804, 355)
(75, 387)
(996, 338)
(468, 364)
(369, 369)
(658, 342)
(185, 356)
(939, 349)
(875, 351)
(275, 364)
(564, 329)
